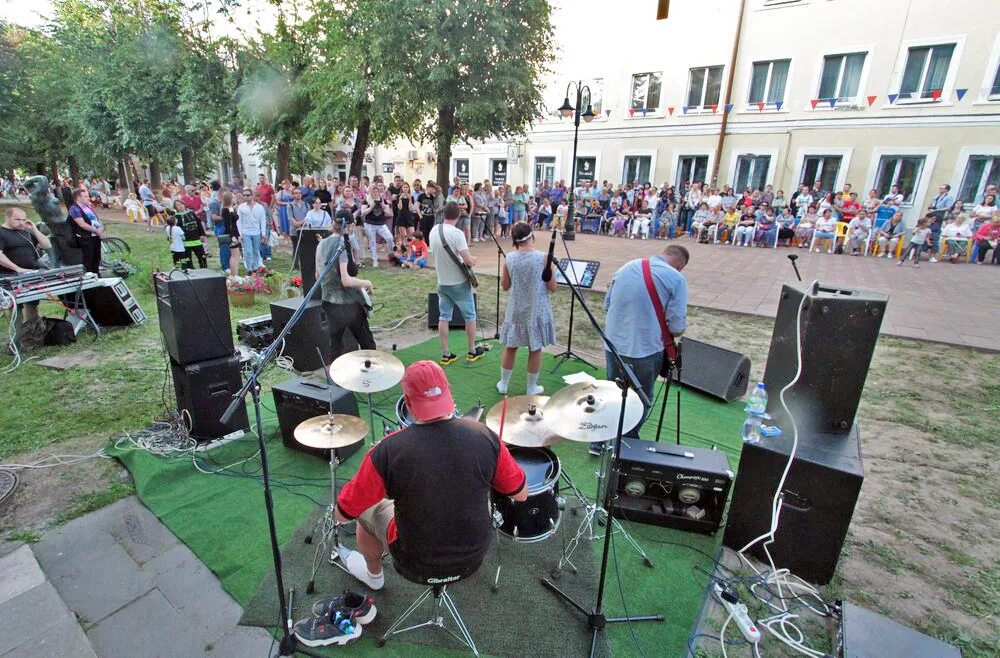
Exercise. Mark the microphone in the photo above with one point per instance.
(547, 272)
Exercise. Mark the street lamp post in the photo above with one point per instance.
(587, 115)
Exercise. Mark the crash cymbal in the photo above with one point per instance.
(366, 371)
(329, 432)
(525, 424)
(589, 411)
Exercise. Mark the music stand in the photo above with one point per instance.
(582, 274)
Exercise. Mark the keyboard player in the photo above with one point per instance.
(21, 245)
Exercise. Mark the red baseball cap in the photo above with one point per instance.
(427, 392)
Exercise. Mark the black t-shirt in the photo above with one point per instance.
(426, 202)
(20, 247)
(377, 215)
(193, 230)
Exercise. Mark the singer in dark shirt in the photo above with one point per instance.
(527, 276)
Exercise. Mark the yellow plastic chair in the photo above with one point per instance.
(943, 250)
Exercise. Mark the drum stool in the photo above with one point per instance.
(437, 585)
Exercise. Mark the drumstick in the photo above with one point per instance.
(503, 416)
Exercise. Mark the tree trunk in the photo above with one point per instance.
(360, 146)
(234, 154)
(135, 174)
(53, 168)
(154, 175)
(124, 184)
(445, 136)
(284, 153)
(40, 169)
(187, 164)
(74, 167)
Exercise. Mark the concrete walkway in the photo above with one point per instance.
(115, 583)
(939, 302)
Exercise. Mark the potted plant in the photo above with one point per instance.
(243, 289)
(293, 286)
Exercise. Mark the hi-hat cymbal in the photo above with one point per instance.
(366, 371)
(329, 432)
(525, 424)
(589, 411)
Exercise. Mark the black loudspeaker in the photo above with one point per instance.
(434, 313)
(839, 328)
(299, 399)
(204, 391)
(672, 486)
(308, 239)
(112, 304)
(310, 332)
(818, 500)
(194, 315)
(719, 372)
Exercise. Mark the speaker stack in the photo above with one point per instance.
(311, 331)
(835, 338)
(309, 239)
(194, 320)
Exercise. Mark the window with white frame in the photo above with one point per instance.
(636, 168)
(646, 91)
(980, 172)
(751, 171)
(690, 168)
(902, 171)
(768, 80)
(841, 76)
(823, 168)
(704, 86)
(926, 70)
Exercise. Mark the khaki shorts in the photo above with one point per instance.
(375, 520)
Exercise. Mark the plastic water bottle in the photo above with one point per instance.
(756, 408)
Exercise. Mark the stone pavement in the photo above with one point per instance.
(940, 302)
(115, 583)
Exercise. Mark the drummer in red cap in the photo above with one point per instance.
(423, 492)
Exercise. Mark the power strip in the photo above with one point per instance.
(739, 613)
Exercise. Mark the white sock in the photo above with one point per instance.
(533, 388)
(504, 380)
(358, 567)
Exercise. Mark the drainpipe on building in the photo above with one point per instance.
(729, 96)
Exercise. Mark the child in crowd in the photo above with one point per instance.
(417, 255)
(917, 242)
(561, 210)
(175, 237)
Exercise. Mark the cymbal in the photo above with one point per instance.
(329, 432)
(366, 371)
(525, 424)
(589, 411)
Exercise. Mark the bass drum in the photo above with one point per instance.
(403, 414)
(537, 518)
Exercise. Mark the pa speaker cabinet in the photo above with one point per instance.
(310, 332)
(434, 312)
(818, 500)
(674, 486)
(719, 372)
(112, 304)
(204, 391)
(309, 238)
(299, 399)
(837, 333)
(194, 315)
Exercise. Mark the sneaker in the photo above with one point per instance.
(501, 388)
(322, 632)
(358, 608)
(597, 447)
(916, 265)
(447, 358)
(934, 259)
(356, 565)
(475, 354)
(537, 390)
(829, 251)
(899, 263)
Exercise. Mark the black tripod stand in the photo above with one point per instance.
(500, 255)
(596, 619)
(674, 367)
(288, 644)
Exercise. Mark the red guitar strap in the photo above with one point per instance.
(669, 346)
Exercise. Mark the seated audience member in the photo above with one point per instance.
(668, 221)
(641, 221)
(858, 232)
(608, 220)
(743, 236)
(729, 221)
(826, 229)
(545, 214)
(416, 254)
(619, 227)
(700, 217)
(889, 235)
(987, 238)
(786, 225)
(956, 236)
(767, 229)
(714, 219)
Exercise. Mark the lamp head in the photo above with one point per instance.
(588, 116)
(566, 109)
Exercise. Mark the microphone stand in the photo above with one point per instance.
(568, 354)
(793, 258)
(596, 619)
(500, 254)
(675, 366)
(288, 645)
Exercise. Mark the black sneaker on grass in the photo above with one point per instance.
(598, 447)
(475, 354)
(447, 359)
(359, 608)
(323, 632)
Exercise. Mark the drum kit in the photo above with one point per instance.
(529, 425)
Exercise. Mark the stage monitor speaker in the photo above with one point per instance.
(308, 239)
(839, 328)
(434, 313)
(674, 486)
(817, 503)
(301, 398)
(204, 391)
(112, 304)
(714, 370)
(194, 315)
(310, 332)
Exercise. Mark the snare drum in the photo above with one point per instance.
(537, 518)
(403, 414)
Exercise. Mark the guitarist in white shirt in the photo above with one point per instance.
(345, 297)
(455, 282)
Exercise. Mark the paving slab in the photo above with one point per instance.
(30, 614)
(150, 627)
(19, 572)
(243, 641)
(63, 639)
(138, 531)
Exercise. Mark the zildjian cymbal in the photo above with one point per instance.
(330, 432)
(366, 371)
(524, 424)
(589, 411)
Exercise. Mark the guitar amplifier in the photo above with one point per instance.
(674, 486)
(256, 332)
(299, 399)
